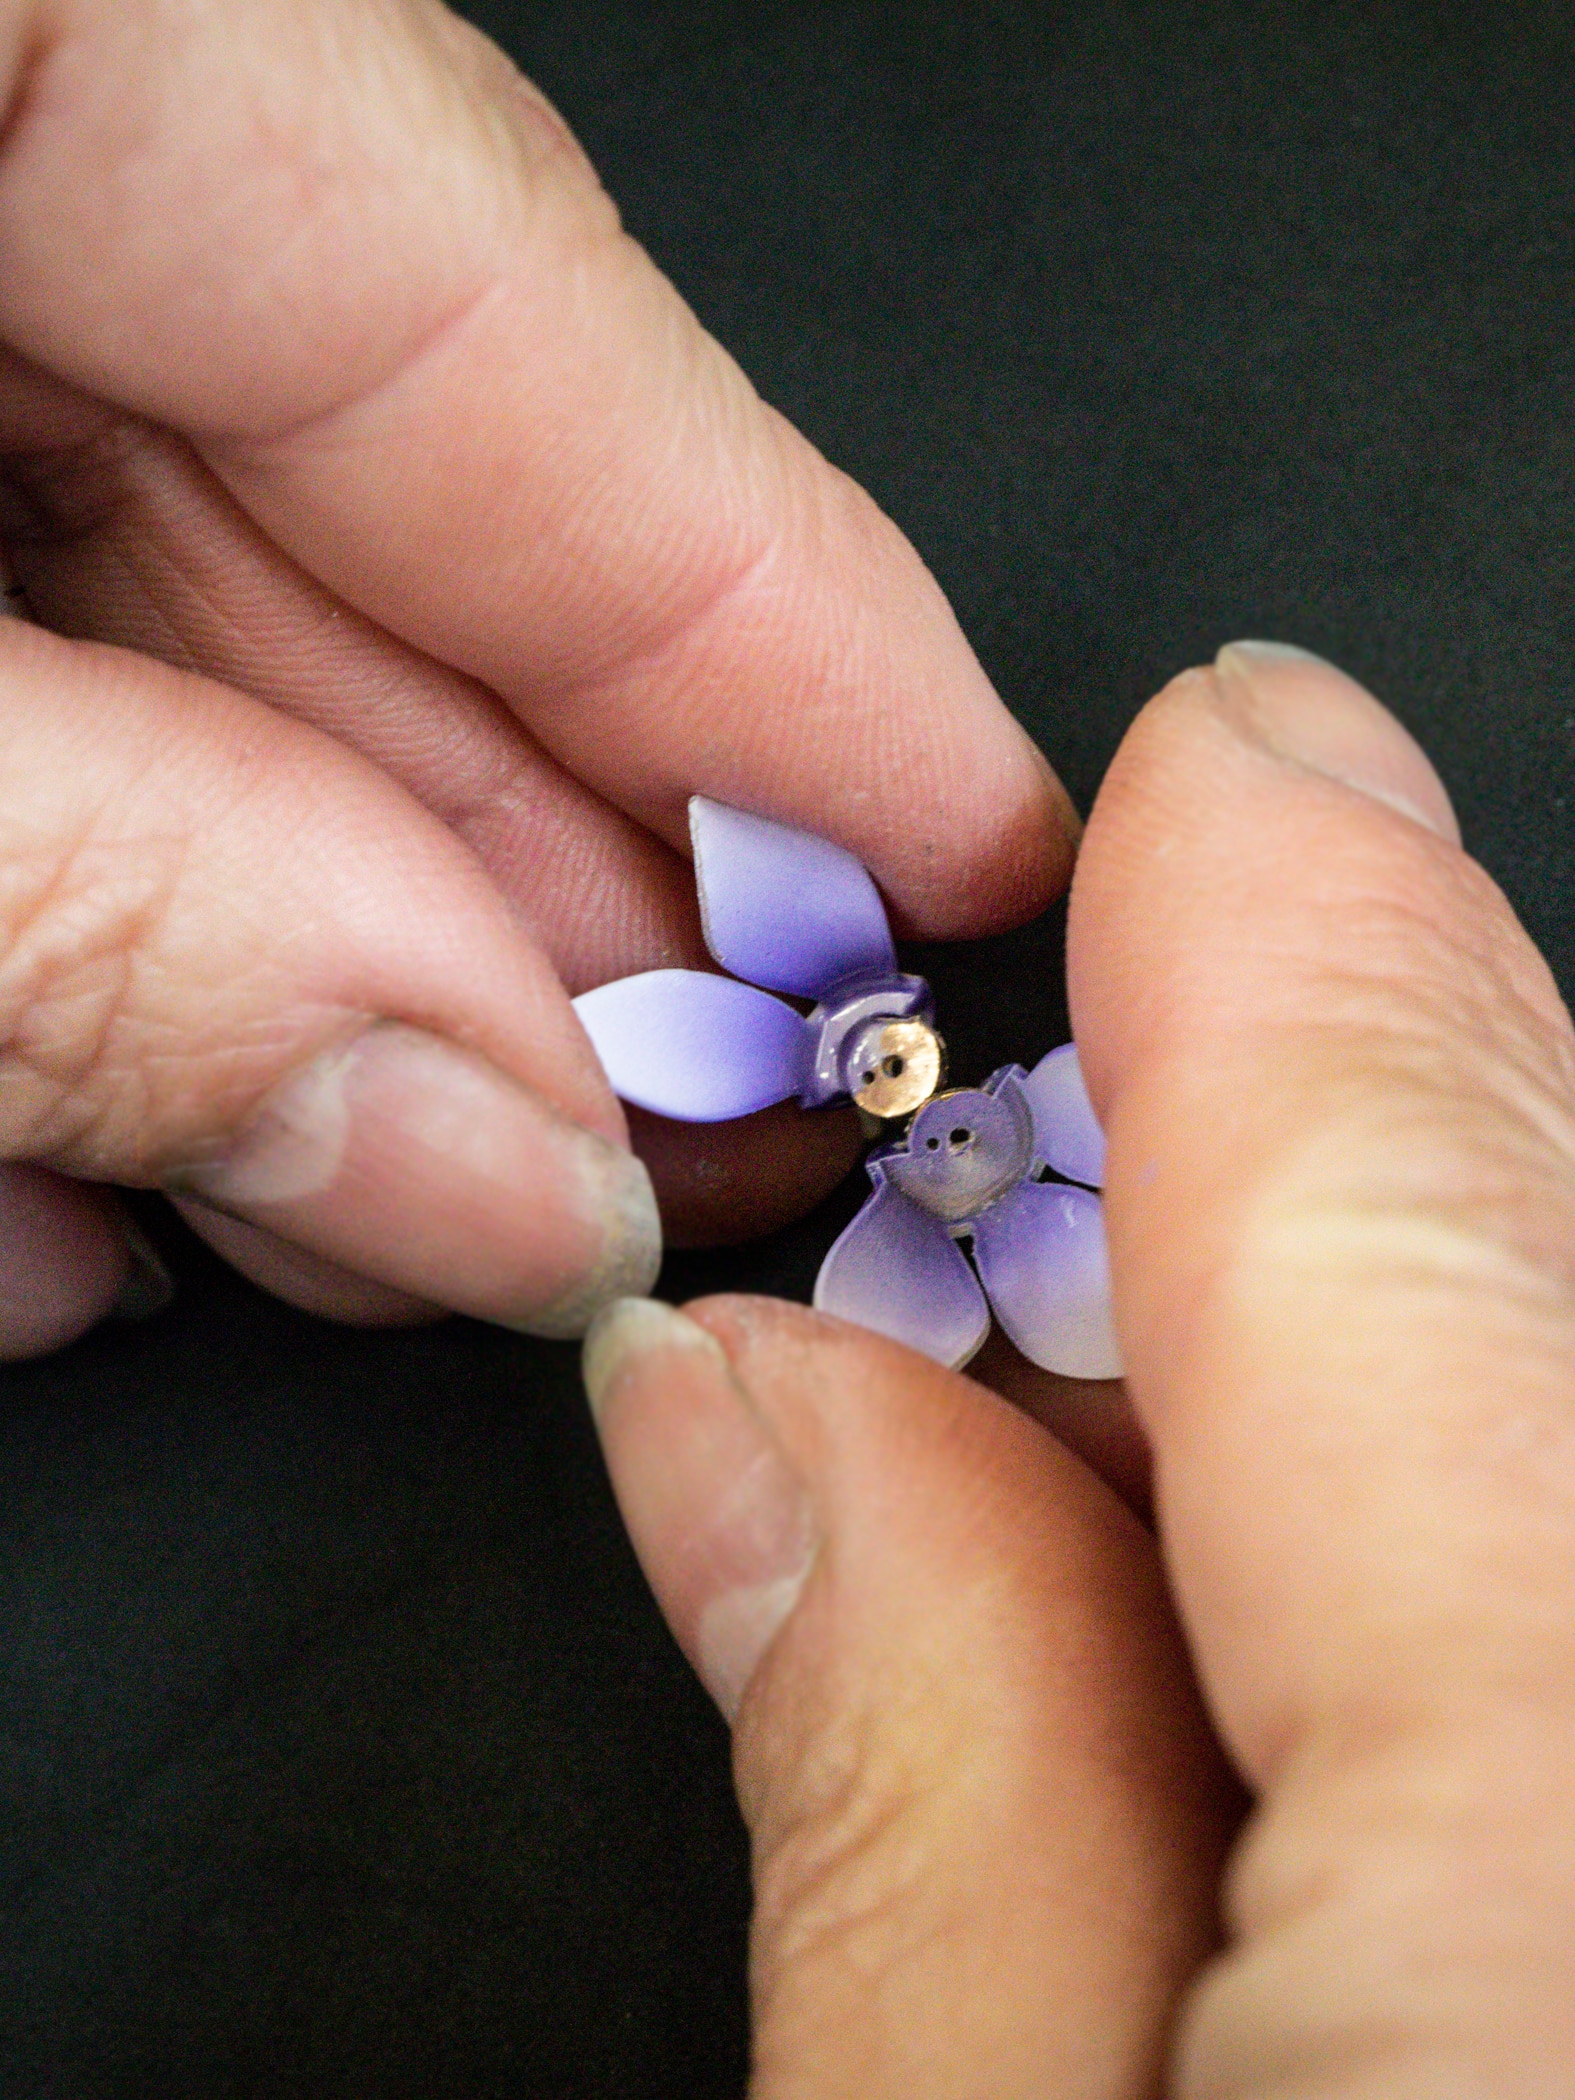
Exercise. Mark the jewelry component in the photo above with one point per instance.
(791, 914)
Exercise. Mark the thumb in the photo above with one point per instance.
(1339, 1088)
(985, 1811)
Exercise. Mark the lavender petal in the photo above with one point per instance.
(701, 1048)
(897, 1270)
(1041, 1252)
(781, 907)
(1066, 1134)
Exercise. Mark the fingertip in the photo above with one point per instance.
(980, 1672)
(1062, 816)
(1034, 854)
(984, 840)
(64, 1260)
(1338, 1084)
(722, 1522)
(1267, 778)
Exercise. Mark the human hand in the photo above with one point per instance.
(988, 1821)
(454, 557)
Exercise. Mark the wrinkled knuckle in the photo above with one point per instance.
(1411, 1166)
(1408, 1216)
(845, 1864)
(1398, 1885)
(1424, 1143)
(78, 927)
(1431, 1031)
(535, 137)
(1435, 930)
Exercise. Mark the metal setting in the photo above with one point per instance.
(895, 1067)
(966, 1149)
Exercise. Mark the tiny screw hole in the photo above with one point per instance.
(893, 1068)
(869, 1079)
(932, 1144)
(959, 1138)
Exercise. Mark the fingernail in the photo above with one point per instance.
(1300, 708)
(721, 1521)
(422, 1166)
(149, 1286)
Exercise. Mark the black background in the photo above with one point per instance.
(341, 1750)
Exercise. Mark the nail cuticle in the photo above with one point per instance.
(1306, 714)
(1275, 652)
(628, 1328)
(290, 1147)
(736, 1631)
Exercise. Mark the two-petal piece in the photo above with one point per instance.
(790, 913)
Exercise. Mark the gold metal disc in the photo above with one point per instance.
(899, 1066)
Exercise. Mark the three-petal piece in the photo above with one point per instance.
(976, 1164)
(793, 914)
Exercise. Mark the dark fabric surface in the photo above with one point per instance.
(341, 1750)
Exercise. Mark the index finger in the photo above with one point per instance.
(362, 263)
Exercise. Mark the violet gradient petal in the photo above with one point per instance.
(1066, 1133)
(701, 1048)
(897, 1270)
(781, 907)
(1041, 1252)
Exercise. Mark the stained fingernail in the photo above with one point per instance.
(149, 1286)
(720, 1519)
(420, 1165)
(1301, 708)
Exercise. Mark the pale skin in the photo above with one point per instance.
(403, 555)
